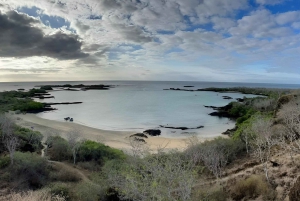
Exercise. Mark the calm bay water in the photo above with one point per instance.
(135, 105)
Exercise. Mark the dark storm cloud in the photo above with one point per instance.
(20, 38)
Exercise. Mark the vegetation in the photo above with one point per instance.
(270, 92)
(19, 100)
(242, 167)
(253, 187)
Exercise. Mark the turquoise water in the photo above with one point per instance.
(138, 106)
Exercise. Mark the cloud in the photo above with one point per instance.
(31, 70)
(21, 37)
(260, 24)
(288, 17)
(132, 33)
(269, 2)
(223, 35)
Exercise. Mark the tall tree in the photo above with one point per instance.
(9, 139)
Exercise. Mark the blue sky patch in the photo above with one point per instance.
(51, 21)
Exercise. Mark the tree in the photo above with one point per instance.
(263, 141)
(289, 114)
(9, 138)
(214, 154)
(74, 142)
(246, 136)
(159, 176)
(138, 148)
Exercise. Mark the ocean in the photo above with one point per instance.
(140, 105)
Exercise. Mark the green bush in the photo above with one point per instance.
(94, 151)
(61, 190)
(29, 140)
(31, 169)
(238, 109)
(88, 192)
(4, 161)
(28, 105)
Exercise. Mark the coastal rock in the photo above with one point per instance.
(153, 132)
(139, 135)
(188, 86)
(227, 97)
(44, 97)
(220, 114)
(77, 87)
(229, 131)
(240, 100)
(222, 111)
(212, 107)
(180, 128)
(62, 103)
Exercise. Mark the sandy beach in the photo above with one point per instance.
(115, 139)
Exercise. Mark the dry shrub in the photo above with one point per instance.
(43, 195)
(65, 175)
(210, 194)
(294, 194)
(253, 187)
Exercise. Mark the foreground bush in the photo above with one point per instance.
(43, 195)
(4, 161)
(253, 187)
(159, 176)
(29, 140)
(60, 190)
(58, 149)
(217, 194)
(63, 174)
(29, 170)
(85, 191)
(294, 194)
(229, 148)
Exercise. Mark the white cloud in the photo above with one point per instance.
(260, 24)
(296, 25)
(288, 17)
(141, 35)
(269, 2)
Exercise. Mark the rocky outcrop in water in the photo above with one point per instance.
(153, 132)
(180, 128)
(227, 97)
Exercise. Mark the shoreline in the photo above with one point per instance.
(116, 139)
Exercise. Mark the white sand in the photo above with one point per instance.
(116, 139)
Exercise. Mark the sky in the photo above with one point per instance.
(172, 40)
